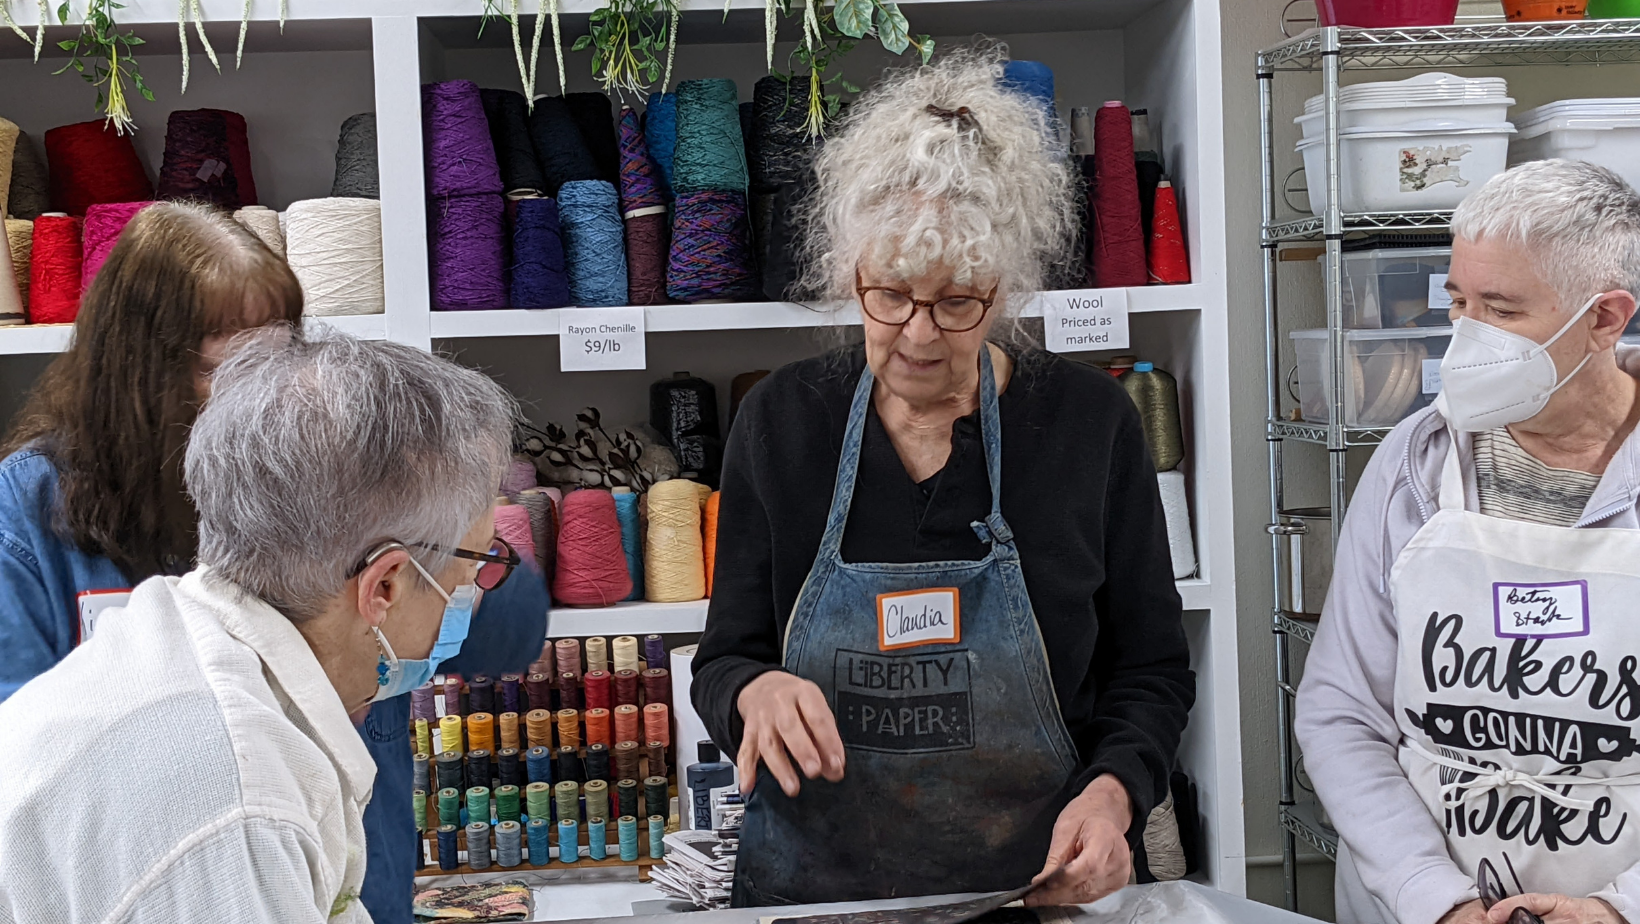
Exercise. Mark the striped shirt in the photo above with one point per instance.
(1513, 484)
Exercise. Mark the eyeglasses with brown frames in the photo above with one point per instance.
(955, 314)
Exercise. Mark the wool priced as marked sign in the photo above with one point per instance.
(601, 339)
(1079, 320)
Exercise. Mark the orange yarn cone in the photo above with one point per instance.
(709, 528)
(1168, 263)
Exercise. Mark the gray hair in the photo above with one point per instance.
(906, 187)
(312, 450)
(1579, 223)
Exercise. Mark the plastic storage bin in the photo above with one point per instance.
(1412, 168)
(1390, 286)
(1432, 97)
(1391, 373)
(1600, 131)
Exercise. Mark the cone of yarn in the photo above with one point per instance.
(626, 512)
(103, 224)
(643, 207)
(358, 174)
(674, 563)
(90, 162)
(9, 135)
(520, 476)
(710, 154)
(542, 529)
(591, 567)
(466, 252)
(709, 536)
(1081, 131)
(30, 188)
(12, 310)
(196, 164)
(660, 130)
(334, 246)
(641, 185)
(780, 144)
(509, 118)
(739, 387)
(239, 154)
(1169, 265)
(264, 223)
(593, 243)
(779, 240)
(20, 244)
(1034, 80)
(711, 253)
(512, 524)
(1117, 241)
(594, 116)
(54, 270)
(456, 141)
(562, 154)
(540, 277)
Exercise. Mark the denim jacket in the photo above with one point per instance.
(43, 575)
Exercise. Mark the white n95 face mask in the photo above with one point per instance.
(1491, 377)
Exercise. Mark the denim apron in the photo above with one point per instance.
(958, 760)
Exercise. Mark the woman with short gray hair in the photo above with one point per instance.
(1467, 709)
(345, 496)
(1000, 693)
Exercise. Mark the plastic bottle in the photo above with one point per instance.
(709, 775)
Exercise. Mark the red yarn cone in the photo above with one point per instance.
(1118, 234)
(1169, 265)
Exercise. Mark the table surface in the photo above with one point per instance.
(1173, 902)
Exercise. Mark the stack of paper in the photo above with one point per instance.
(700, 865)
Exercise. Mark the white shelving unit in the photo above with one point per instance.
(338, 57)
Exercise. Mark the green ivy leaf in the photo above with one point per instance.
(925, 47)
(131, 38)
(62, 14)
(853, 17)
(892, 29)
(581, 43)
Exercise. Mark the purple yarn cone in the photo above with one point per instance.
(467, 253)
(641, 183)
(456, 138)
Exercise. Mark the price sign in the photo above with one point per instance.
(1085, 319)
(600, 339)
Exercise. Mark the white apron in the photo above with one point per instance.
(1517, 691)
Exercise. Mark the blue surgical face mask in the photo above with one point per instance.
(396, 676)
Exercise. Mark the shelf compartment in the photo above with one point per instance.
(55, 338)
(1297, 628)
(1301, 820)
(1594, 41)
(1317, 433)
(1312, 227)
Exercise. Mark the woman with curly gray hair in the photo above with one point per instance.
(972, 650)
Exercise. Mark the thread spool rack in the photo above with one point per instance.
(613, 860)
(339, 57)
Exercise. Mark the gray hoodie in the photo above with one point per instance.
(1393, 860)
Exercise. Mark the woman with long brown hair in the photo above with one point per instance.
(92, 500)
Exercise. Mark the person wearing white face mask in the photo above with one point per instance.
(1468, 709)
(344, 492)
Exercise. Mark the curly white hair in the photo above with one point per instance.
(941, 165)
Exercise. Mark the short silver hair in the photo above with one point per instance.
(1580, 224)
(312, 450)
(907, 184)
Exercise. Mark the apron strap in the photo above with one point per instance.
(993, 529)
(1486, 780)
(1452, 490)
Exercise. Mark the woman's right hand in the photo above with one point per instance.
(785, 713)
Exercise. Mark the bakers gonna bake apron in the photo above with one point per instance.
(958, 760)
(1517, 690)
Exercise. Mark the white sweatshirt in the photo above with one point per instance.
(191, 762)
(1393, 862)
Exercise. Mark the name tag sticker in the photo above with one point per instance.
(918, 617)
(93, 603)
(1558, 610)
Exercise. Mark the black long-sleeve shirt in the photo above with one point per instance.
(1078, 490)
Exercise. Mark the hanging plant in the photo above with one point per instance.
(39, 39)
(527, 70)
(103, 55)
(626, 37)
(829, 34)
(191, 9)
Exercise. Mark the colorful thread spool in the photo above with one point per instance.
(1118, 235)
(591, 566)
(197, 163)
(596, 685)
(597, 840)
(467, 252)
(597, 651)
(538, 687)
(567, 655)
(418, 806)
(709, 153)
(627, 830)
(449, 730)
(103, 224)
(626, 690)
(657, 684)
(1168, 262)
(660, 132)
(709, 527)
(566, 797)
(538, 723)
(511, 694)
(459, 154)
(625, 800)
(506, 803)
(711, 254)
(594, 243)
(480, 727)
(538, 800)
(358, 174)
(538, 764)
(422, 704)
(478, 844)
(569, 766)
(509, 844)
(452, 695)
(509, 730)
(480, 698)
(334, 247)
(508, 768)
(478, 804)
(539, 271)
(655, 795)
(597, 762)
(91, 162)
(597, 798)
(598, 728)
(424, 737)
(674, 562)
(540, 845)
(449, 855)
(569, 840)
(420, 776)
(569, 691)
(657, 836)
(569, 728)
(626, 512)
(626, 724)
(478, 768)
(657, 723)
(449, 806)
(55, 260)
(656, 753)
(625, 756)
(654, 651)
(512, 523)
(450, 773)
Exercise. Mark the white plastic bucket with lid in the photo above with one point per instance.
(1421, 166)
(1600, 131)
(1386, 114)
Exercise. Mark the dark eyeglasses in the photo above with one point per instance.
(954, 315)
(498, 562)
(1492, 891)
